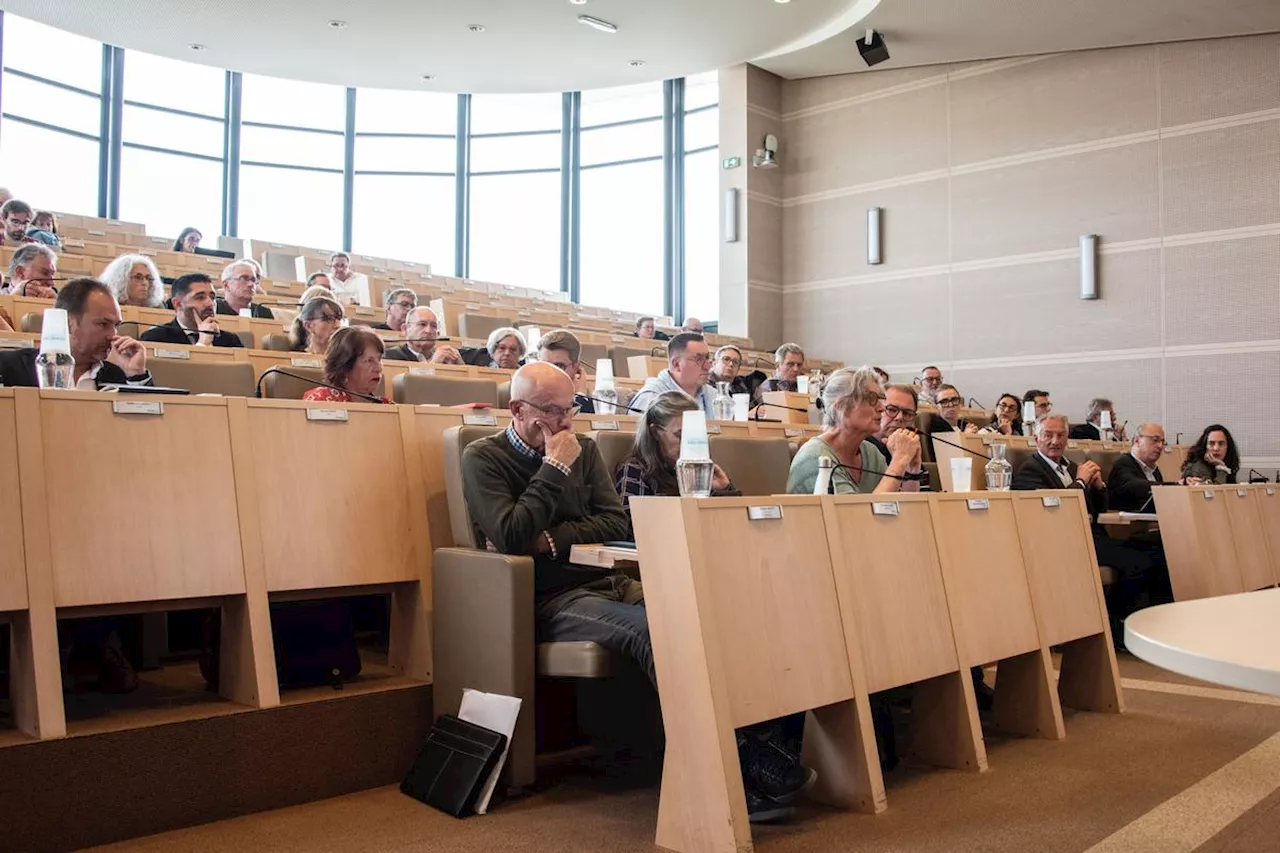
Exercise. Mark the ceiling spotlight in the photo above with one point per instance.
(636, 63)
(578, 2)
(476, 28)
(602, 26)
(781, 1)
(428, 77)
(195, 46)
(338, 25)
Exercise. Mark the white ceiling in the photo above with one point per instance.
(927, 32)
(527, 46)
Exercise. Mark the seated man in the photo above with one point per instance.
(1041, 400)
(1133, 474)
(33, 269)
(1091, 429)
(195, 316)
(421, 332)
(538, 489)
(930, 384)
(398, 304)
(900, 402)
(949, 402)
(692, 325)
(1139, 567)
(349, 286)
(689, 360)
(788, 363)
(239, 286)
(102, 356)
(562, 348)
(15, 217)
(727, 367)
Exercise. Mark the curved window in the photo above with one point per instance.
(405, 193)
(514, 186)
(702, 197)
(622, 253)
(173, 127)
(53, 113)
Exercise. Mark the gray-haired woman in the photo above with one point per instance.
(506, 347)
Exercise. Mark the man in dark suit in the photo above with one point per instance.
(102, 356)
(1139, 567)
(239, 285)
(195, 316)
(1092, 429)
(1135, 473)
(947, 419)
(399, 303)
(422, 332)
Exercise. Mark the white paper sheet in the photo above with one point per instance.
(497, 713)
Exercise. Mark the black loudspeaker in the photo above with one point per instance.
(874, 53)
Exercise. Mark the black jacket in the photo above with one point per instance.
(937, 423)
(18, 368)
(1086, 432)
(173, 333)
(1034, 473)
(1129, 487)
(400, 353)
(260, 312)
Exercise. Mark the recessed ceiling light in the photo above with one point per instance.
(428, 77)
(195, 46)
(476, 28)
(338, 25)
(602, 26)
(578, 2)
(781, 1)
(636, 63)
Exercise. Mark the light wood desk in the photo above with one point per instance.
(1217, 539)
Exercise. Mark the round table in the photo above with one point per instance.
(1231, 639)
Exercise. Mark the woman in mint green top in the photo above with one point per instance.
(853, 403)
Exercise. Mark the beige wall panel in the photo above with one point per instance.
(1202, 80)
(764, 241)
(1236, 390)
(764, 89)
(1223, 292)
(764, 320)
(820, 91)
(1046, 205)
(866, 142)
(1226, 178)
(828, 239)
(1041, 311)
(1133, 384)
(1059, 100)
(868, 323)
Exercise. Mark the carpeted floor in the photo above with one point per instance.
(1188, 766)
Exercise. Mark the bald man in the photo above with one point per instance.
(538, 489)
(1133, 474)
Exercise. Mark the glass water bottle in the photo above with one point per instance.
(722, 403)
(999, 471)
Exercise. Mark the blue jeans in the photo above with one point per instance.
(609, 612)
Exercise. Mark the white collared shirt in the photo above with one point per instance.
(1146, 469)
(1064, 473)
(354, 290)
(89, 379)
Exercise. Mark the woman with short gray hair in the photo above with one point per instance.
(506, 347)
(134, 280)
(853, 404)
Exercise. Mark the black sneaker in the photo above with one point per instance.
(762, 809)
(982, 693)
(771, 768)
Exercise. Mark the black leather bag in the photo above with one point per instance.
(453, 764)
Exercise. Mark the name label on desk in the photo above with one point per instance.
(976, 504)
(365, 312)
(14, 343)
(305, 362)
(1208, 495)
(793, 433)
(480, 420)
(1051, 500)
(422, 371)
(1242, 493)
(613, 425)
(713, 429)
(1271, 493)
(762, 513)
(137, 407)
(1072, 445)
(327, 415)
(885, 508)
(173, 353)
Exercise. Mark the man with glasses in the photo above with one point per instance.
(350, 287)
(1041, 400)
(788, 363)
(16, 216)
(33, 271)
(930, 384)
(239, 286)
(949, 402)
(399, 304)
(900, 404)
(688, 371)
(727, 367)
(1134, 473)
(562, 348)
(421, 330)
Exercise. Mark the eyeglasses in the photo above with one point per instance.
(408, 306)
(553, 411)
(950, 402)
(895, 412)
(140, 276)
(1044, 408)
(1006, 407)
(731, 362)
(700, 360)
(1154, 439)
(246, 279)
(327, 318)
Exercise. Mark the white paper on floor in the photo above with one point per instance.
(497, 713)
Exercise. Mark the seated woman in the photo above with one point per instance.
(1213, 458)
(44, 228)
(650, 467)
(188, 240)
(134, 280)
(1004, 419)
(353, 362)
(853, 404)
(315, 325)
(506, 347)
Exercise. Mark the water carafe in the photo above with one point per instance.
(999, 471)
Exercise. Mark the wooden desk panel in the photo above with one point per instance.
(334, 498)
(1062, 571)
(1250, 539)
(985, 578)
(1268, 498)
(13, 558)
(158, 522)
(1196, 532)
(895, 591)
(430, 423)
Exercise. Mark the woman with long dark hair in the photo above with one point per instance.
(1004, 418)
(188, 240)
(1214, 457)
(315, 325)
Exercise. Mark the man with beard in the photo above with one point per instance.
(195, 316)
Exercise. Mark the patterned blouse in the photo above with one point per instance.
(328, 395)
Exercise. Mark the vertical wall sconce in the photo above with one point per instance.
(874, 233)
(731, 215)
(1089, 266)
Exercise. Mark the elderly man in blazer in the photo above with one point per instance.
(1134, 473)
(1141, 576)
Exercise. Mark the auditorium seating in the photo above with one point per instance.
(416, 389)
